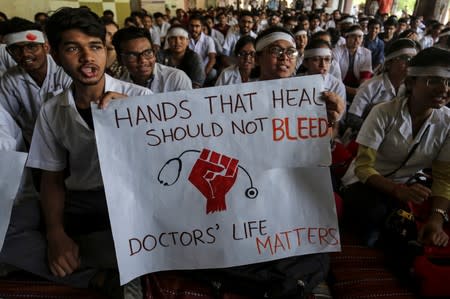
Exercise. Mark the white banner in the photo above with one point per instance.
(211, 177)
(11, 168)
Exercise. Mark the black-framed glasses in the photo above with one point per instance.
(135, 56)
(18, 50)
(434, 82)
(245, 54)
(278, 52)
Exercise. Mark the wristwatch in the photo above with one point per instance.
(442, 212)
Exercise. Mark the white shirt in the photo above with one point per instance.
(363, 60)
(62, 133)
(216, 34)
(330, 24)
(203, 47)
(331, 83)
(166, 78)
(6, 61)
(11, 140)
(156, 38)
(341, 41)
(229, 75)
(10, 134)
(376, 90)
(427, 41)
(162, 31)
(335, 69)
(388, 130)
(231, 40)
(22, 97)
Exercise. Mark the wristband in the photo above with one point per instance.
(441, 212)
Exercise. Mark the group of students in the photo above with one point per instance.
(45, 110)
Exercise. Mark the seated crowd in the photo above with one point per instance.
(386, 84)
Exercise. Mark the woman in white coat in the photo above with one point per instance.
(242, 71)
(385, 86)
(354, 60)
(397, 139)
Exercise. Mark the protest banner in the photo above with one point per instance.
(11, 168)
(218, 177)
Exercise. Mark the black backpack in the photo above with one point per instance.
(293, 277)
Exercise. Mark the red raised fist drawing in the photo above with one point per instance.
(214, 174)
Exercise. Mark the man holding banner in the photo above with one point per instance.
(78, 235)
(163, 216)
(225, 176)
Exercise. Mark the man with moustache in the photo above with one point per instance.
(35, 79)
(135, 51)
(77, 241)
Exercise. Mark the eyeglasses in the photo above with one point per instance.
(17, 50)
(318, 59)
(437, 82)
(244, 54)
(135, 56)
(278, 52)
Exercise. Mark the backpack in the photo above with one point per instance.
(293, 277)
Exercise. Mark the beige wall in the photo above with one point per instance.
(27, 8)
(23, 8)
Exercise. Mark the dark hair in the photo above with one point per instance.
(303, 18)
(352, 28)
(431, 57)
(17, 24)
(401, 43)
(245, 40)
(317, 43)
(108, 12)
(374, 22)
(67, 18)
(127, 34)
(39, 14)
(319, 34)
(390, 22)
(406, 33)
(158, 15)
(3, 15)
(198, 17)
(402, 20)
(107, 22)
(245, 13)
(335, 36)
(313, 17)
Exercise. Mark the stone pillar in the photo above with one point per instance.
(432, 9)
(347, 6)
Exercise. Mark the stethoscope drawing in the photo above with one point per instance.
(251, 192)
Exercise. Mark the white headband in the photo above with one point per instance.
(301, 32)
(317, 52)
(446, 33)
(355, 32)
(404, 51)
(273, 37)
(429, 71)
(31, 36)
(177, 32)
(347, 20)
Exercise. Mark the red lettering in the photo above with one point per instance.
(278, 243)
(264, 245)
(277, 127)
(311, 235)
(332, 233)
